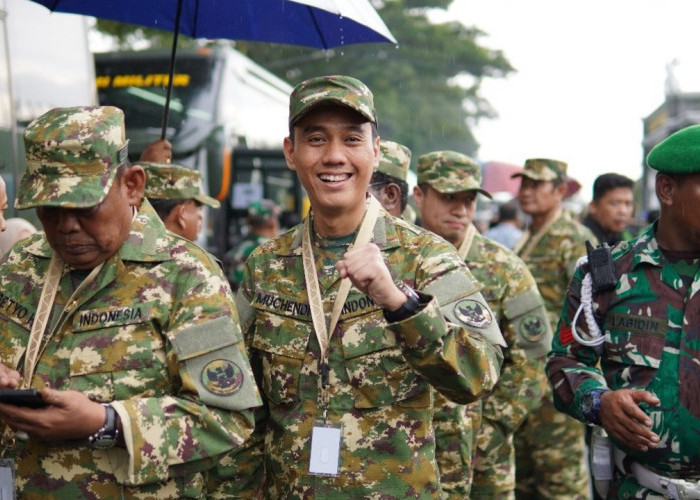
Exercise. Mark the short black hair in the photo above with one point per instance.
(508, 211)
(608, 182)
(381, 179)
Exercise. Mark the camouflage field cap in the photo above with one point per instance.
(72, 155)
(167, 181)
(394, 160)
(336, 89)
(263, 209)
(679, 153)
(543, 169)
(450, 172)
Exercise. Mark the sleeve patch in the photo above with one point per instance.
(565, 335)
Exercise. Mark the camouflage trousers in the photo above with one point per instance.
(494, 463)
(551, 455)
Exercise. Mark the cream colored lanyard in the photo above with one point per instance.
(314, 292)
(535, 238)
(48, 294)
(467, 242)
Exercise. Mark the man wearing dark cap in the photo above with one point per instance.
(389, 180)
(126, 331)
(351, 317)
(633, 369)
(550, 448)
(177, 195)
(475, 441)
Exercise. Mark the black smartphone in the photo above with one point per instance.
(22, 397)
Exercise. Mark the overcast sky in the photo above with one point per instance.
(587, 73)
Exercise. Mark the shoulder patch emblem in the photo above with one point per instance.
(222, 377)
(473, 313)
(531, 328)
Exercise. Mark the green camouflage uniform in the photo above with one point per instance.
(380, 374)
(475, 441)
(550, 448)
(154, 335)
(167, 181)
(236, 257)
(650, 322)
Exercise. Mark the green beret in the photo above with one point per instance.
(679, 153)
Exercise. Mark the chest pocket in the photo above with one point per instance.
(635, 340)
(281, 337)
(116, 353)
(378, 373)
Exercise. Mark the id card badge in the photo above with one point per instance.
(325, 448)
(7, 480)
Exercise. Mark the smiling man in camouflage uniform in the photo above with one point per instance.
(550, 448)
(642, 382)
(448, 184)
(141, 362)
(353, 419)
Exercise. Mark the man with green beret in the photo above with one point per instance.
(475, 441)
(351, 317)
(177, 196)
(263, 223)
(550, 447)
(633, 369)
(389, 179)
(127, 332)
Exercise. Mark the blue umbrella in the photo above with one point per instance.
(320, 24)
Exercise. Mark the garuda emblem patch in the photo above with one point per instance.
(473, 313)
(222, 377)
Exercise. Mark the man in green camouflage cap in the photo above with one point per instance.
(177, 196)
(389, 180)
(637, 378)
(263, 223)
(550, 448)
(127, 332)
(348, 411)
(475, 441)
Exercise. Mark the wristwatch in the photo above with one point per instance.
(590, 406)
(407, 309)
(106, 436)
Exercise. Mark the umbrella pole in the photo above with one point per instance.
(176, 31)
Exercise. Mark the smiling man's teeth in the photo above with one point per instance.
(333, 178)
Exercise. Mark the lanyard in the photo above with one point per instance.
(525, 253)
(466, 242)
(314, 292)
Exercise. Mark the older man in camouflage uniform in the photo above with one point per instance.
(389, 180)
(128, 332)
(639, 378)
(446, 195)
(350, 412)
(550, 449)
(177, 196)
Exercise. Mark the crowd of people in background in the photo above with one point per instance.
(384, 346)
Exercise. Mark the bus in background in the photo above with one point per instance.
(45, 62)
(228, 119)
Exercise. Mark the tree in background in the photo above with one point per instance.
(427, 90)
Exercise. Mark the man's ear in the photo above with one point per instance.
(418, 197)
(665, 187)
(392, 196)
(176, 218)
(134, 180)
(288, 147)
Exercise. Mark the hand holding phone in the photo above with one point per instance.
(30, 398)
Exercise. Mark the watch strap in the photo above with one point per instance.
(407, 309)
